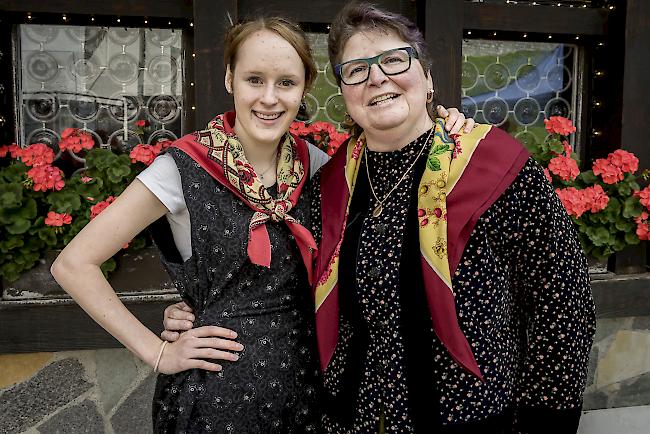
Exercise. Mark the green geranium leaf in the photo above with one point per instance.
(108, 266)
(11, 195)
(18, 226)
(64, 201)
(10, 243)
(28, 211)
(588, 177)
(631, 238)
(600, 236)
(632, 207)
(48, 235)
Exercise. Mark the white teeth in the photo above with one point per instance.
(267, 117)
(383, 98)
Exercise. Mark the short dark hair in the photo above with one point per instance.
(361, 16)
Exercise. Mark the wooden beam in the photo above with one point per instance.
(210, 25)
(636, 92)
(150, 8)
(533, 19)
(322, 11)
(61, 325)
(445, 38)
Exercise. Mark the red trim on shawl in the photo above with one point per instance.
(334, 201)
(495, 164)
(259, 245)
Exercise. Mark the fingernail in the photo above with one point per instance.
(191, 317)
(239, 347)
(219, 368)
(233, 334)
(235, 357)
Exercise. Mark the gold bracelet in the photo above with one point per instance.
(162, 348)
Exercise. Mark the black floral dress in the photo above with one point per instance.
(522, 297)
(273, 387)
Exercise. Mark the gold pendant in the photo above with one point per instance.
(377, 211)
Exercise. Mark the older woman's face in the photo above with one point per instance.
(385, 102)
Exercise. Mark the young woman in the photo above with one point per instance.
(236, 244)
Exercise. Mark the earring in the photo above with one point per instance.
(430, 93)
(348, 119)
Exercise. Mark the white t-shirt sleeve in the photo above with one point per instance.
(163, 179)
(317, 158)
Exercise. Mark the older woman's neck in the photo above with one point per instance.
(396, 138)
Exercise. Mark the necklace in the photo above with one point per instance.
(380, 202)
(274, 162)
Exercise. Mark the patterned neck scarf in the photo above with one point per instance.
(450, 201)
(219, 144)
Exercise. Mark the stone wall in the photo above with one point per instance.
(103, 391)
(109, 391)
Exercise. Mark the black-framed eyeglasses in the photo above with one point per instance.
(391, 62)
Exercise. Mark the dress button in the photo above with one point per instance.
(374, 272)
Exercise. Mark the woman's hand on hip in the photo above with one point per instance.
(455, 120)
(199, 348)
(178, 318)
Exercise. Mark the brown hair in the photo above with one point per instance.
(287, 30)
(359, 17)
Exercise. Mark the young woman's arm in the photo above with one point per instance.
(77, 271)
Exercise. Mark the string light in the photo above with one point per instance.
(550, 36)
(92, 19)
(192, 83)
(577, 37)
(65, 18)
(29, 15)
(193, 108)
(525, 35)
(599, 73)
(169, 23)
(191, 24)
(193, 54)
(146, 21)
(494, 34)
(118, 20)
(596, 133)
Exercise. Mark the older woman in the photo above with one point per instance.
(452, 294)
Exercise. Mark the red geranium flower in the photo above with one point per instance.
(607, 171)
(46, 178)
(75, 140)
(644, 196)
(37, 154)
(145, 153)
(96, 209)
(559, 125)
(626, 161)
(565, 168)
(55, 219)
(595, 198)
(141, 123)
(573, 201)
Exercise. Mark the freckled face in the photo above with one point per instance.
(267, 83)
(394, 103)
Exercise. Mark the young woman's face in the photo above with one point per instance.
(267, 83)
(385, 102)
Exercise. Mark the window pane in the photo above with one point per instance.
(99, 79)
(515, 85)
(324, 101)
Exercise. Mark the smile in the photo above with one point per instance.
(267, 117)
(382, 99)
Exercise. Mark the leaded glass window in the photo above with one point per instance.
(516, 85)
(99, 79)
